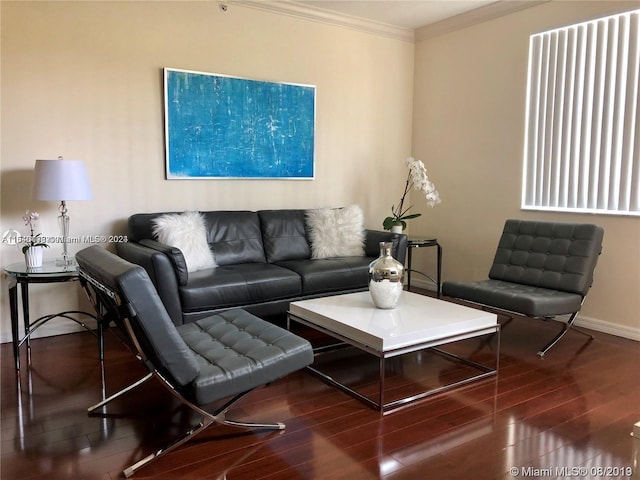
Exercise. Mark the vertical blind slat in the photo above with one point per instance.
(608, 118)
(567, 134)
(598, 114)
(618, 120)
(547, 121)
(533, 88)
(631, 161)
(576, 133)
(558, 120)
(587, 119)
(541, 130)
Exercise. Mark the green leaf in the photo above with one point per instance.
(388, 223)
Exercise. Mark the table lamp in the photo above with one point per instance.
(61, 180)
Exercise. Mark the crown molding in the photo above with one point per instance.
(474, 17)
(292, 8)
(320, 15)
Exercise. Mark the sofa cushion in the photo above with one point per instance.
(234, 237)
(238, 285)
(326, 275)
(284, 235)
(186, 232)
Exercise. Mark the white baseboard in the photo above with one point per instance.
(422, 283)
(581, 321)
(608, 327)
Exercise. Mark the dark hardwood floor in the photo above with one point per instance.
(575, 408)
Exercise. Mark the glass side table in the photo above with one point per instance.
(20, 274)
(414, 243)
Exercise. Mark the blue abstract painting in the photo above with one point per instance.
(217, 126)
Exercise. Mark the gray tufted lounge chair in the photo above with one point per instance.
(540, 270)
(220, 357)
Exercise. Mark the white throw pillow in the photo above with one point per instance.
(336, 232)
(186, 231)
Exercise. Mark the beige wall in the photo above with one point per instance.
(83, 80)
(468, 128)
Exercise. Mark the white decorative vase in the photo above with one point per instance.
(33, 256)
(386, 276)
(396, 229)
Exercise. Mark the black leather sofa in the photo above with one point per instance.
(263, 263)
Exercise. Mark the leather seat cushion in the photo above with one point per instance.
(331, 274)
(237, 351)
(524, 299)
(234, 285)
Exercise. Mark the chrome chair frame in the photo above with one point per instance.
(104, 300)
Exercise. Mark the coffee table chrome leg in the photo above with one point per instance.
(340, 386)
(381, 406)
(382, 377)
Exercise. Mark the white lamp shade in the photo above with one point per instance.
(61, 180)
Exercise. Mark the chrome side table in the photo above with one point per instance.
(20, 274)
(414, 243)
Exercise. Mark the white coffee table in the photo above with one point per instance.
(418, 323)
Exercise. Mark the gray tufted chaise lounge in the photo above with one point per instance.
(541, 269)
(221, 356)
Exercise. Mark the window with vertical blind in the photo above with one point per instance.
(582, 137)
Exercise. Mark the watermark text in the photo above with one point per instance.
(576, 472)
(59, 239)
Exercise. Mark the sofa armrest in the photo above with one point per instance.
(175, 257)
(161, 271)
(374, 237)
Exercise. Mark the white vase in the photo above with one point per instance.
(396, 229)
(33, 256)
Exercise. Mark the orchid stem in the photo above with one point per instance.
(406, 189)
